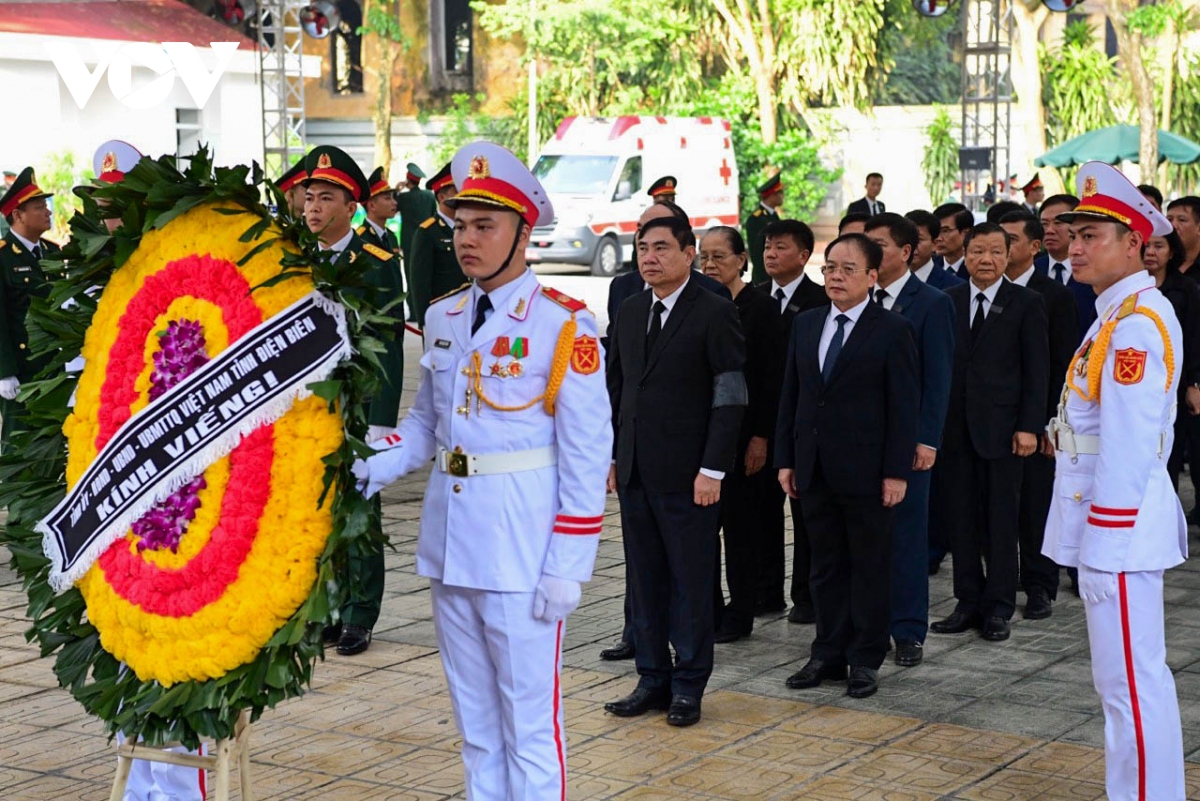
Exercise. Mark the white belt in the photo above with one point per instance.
(1067, 441)
(457, 463)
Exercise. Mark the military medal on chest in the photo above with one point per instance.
(517, 349)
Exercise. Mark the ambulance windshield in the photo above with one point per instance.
(575, 175)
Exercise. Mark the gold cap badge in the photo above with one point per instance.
(1089, 186)
(323, 162)
(670, 184)
(479, 168)
(110, 162)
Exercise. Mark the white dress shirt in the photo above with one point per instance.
(789, 289)
(1023, 278)
(1066, 263)
(28, 245)
(954, 267)
(669, 302)
(989, 297)
(379, 229)
(831, 326)
(339, 245)
(924, 271)
(893, 290)
(498, 296)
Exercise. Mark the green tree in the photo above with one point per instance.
(939, 162)
(1185, 121)
(59, 174)
(1080, 93)
(383, 28)
(917, 64)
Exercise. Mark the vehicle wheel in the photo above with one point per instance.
(608, 258)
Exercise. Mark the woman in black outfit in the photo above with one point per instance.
(1164, 255)
(744, 491)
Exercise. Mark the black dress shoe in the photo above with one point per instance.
(815, 672)
(995, 629)
(354, 640)
(639, 702)
(957, 623)
(622, 650)
(864, 682)
(731, 634)
(769, 607)
(908, 653)
(331, 634)
(802, 613)
(684, 711)
(1037, 604)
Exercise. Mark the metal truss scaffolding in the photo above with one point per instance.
(281, 77)
(986, 97)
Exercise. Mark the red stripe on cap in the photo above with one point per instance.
(111, 177)
(502, 189)
(441, 183)
(1111, 207)
(338, 177)
(382, 186)
(292, 180)
(19, 198)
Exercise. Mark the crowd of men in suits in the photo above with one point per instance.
(899, 411)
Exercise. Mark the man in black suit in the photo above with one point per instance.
(847, 431)
(789, 245)
(997, 408)
(870, 204)
(954, 221)
(621, 289)
(678, 395)
(1057, 243)
(1039, 575)
(931, 315)
(927, 265)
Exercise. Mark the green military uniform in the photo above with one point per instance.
(414, 207)
(21, 280)
(756, 226)
(434, 266)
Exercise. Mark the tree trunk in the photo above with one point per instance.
(1129, 45)
(1027, 81)
(383, 107)
(767, 106)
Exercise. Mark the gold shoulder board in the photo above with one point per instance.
(451, 293)
(377, 252)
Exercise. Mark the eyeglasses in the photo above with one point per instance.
(830, 269)
(707, 257)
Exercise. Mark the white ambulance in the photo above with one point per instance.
(597, 170)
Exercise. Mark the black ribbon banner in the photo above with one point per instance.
(251, 383)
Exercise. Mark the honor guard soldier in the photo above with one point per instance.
(414, 205)
(435, 270)
(1115, 515)
(27, 212)
(770, 196)
(380, 208)
(663, 190)
(110, 162)
(514, 411)
(291, 183)
(334, 188)
(1034, 193)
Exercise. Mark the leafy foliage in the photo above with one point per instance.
(33, 468)
(917, 64)
(1185, 121)
(939, 162)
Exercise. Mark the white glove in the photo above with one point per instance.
(376, 472)
(9, 387)
(555, 598)
(375, 433)
(1096, 585)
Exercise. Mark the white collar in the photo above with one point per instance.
(953, 266)
(339, 245)
(501, 295)
(28, 245)
(853, 312)
(379, 229)
(989, 293)
(924, 271)
(669, 300)
(896, 287)
(1023, 278)
(449, 220)
(789, 288)
(1111, 297)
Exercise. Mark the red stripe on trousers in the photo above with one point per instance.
(1133, 699)
(558, 738)
(203, 786)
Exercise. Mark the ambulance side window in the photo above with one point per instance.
(631, 179)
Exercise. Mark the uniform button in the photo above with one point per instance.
(27, 280)
(820, 404)
(466, 371)
(458, 488)
(641, 387)
(1078, 497)
(22, 346)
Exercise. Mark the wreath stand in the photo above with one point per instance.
(220, 761)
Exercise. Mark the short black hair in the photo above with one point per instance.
(900, 229)
(925, 219)
(983, 229)
(963, 218)
(1033, 226)
(732, 235)
(680, 229)
(1151, 191)
(865, 246)
(799, 231)
(998, 209)
(1175, 261)
(1061, 200)
(852, 217)
(1189, 202)
(871, 175)
(946, 209)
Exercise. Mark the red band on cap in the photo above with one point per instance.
(1114, 209)
(338, 177)
(379, 188)
(413, 178)
(441, 183)
(768, 192)
(16, 200)
(111, 177)
(663, 190)
(496, 191)
(289, 182)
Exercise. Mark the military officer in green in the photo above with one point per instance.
(663, 190)
(27, 213)
(380, 208)
(334, 188)
(415, 205)
(770, 197)
(435, 269)
(291, 183)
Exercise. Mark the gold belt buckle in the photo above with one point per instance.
(456, 464)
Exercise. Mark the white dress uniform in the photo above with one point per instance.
(1114, 509)
(517, 419)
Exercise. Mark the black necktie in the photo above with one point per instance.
(782, 298)
(482, 307)
(1060, 270)
(37, 252)
(655, 326)
(835, 347)
(880, 295)
(977, 323)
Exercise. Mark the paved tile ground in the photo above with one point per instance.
(993, 722)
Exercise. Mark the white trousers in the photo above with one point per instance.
(1143, 736)
(502, 667)
(156, 781)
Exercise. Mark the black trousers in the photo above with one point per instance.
(672, 547)
(1037, 490)
(743, 501)
(851, 540)
(982, 497)
(772, 558)
(801, 592)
